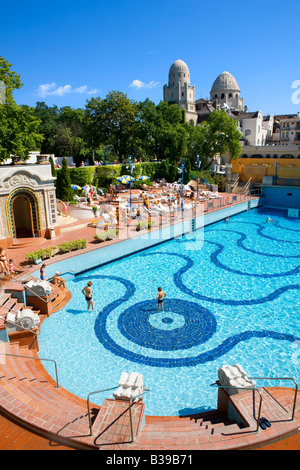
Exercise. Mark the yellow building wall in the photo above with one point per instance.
(257, 168)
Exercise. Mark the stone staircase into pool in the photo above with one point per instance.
(29, 398)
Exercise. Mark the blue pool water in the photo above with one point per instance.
(232, 297)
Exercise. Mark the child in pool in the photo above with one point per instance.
(160, 298)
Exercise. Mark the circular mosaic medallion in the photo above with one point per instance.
(181, 325)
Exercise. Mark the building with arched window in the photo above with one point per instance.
(27, 202)
(180, 91)
(225, 91)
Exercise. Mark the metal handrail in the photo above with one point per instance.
(16, 324)
(107, 390)
(130, 413)
(34, 293)
(247, 186)
(38, 359)
(255, 389)
(88, 405)
(246, 388)
(283, 378)
(235, 184)
(23, 270)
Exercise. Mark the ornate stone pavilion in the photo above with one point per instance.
(27, 202)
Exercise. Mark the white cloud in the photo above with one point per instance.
(138, 84)
(95, 91)
(81, 89)
(51, 89)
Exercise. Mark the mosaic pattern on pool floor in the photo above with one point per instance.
(226, 288)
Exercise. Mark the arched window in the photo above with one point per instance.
(247, 132)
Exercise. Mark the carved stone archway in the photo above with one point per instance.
(23, 203)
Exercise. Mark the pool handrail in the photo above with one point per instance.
(88, 404)
(14, 279)
(283, 378)
(257, 390)
(38, 359)
(17, 324)
(245, 388)
(108, 390)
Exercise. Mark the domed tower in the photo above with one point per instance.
(179, 89)
(226, 91)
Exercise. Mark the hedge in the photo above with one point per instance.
(40, 254)
(72, 245)
(144, 224)
(106, 235)
(103, 176)
(82, 175)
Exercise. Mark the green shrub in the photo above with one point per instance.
(106, 175)
(40, 254)
(144, 224)
(106, 235)
(72, 245)
(138, 184)
(82, 175)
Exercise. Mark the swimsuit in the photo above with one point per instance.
(160, 301)
(88, 298)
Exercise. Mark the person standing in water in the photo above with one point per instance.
(160, 298)
(87, 291)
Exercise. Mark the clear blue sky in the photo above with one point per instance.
(68, 51)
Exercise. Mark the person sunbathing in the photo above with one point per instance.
(3, 261)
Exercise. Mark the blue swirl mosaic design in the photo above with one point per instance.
(185, 324)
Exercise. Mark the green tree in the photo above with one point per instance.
(18, 131)
(222, 135)
(48, 117)
(63, 183)
(18, 124)
(12, 80)
(113, 121)
(187, 171)
(53, 170)
(162, 130)
(70, 134)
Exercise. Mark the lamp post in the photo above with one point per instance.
(182, 164)
(198, 164)
(130, 170)
(275, 178)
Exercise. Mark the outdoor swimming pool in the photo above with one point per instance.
(232, 297)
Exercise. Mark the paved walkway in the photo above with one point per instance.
(83, 228)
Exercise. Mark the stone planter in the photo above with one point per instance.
(42, 159)
(16, 160)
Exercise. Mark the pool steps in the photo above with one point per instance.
(28, 397)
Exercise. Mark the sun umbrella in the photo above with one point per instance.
(143, 178)
(75, 186)
(128, 177)
(123, 180)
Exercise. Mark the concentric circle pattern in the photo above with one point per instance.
(198, 325)
(186, 324)
(232, 297)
